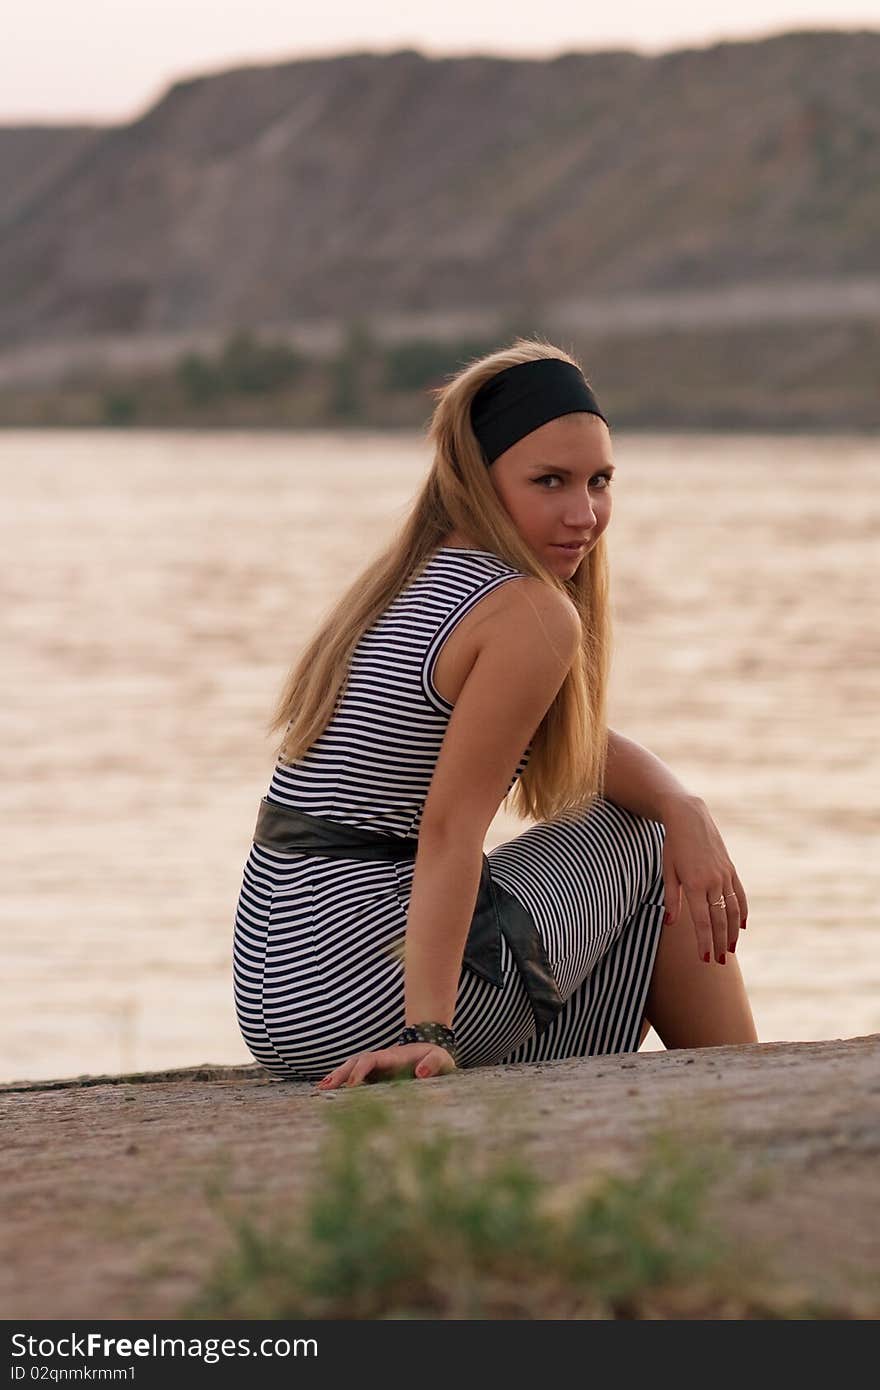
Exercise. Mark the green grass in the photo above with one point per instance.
(405, 1220)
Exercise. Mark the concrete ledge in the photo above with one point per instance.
(105, 1176)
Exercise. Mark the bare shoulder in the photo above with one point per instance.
(527, 612)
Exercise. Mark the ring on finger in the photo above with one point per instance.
(722, 901)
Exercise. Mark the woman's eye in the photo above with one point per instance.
(544, 476)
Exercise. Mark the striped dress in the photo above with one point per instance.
(317, 942)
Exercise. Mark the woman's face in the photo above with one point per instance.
(555, 485)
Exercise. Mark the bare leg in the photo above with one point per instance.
(691, 1004)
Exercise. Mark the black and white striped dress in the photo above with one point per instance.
(317, 971)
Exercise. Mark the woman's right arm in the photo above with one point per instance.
(526, 650)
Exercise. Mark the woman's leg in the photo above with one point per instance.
(691, 1004)
(593, 883)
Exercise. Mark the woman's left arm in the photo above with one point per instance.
(641, 783)
(695, 858)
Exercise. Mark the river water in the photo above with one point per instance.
(157, 586)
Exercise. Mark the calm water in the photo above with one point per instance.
(158, 585)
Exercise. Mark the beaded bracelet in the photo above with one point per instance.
(430, 1032)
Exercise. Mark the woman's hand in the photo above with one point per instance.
(419, 1059)
(695, 859)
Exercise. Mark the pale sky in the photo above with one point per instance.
(109, 60)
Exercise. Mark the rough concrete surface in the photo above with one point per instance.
(103, 1177)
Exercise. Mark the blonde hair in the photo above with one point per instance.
(566, 766)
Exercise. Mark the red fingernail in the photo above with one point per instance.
(666, 920)
(722, 958)
(742, 926)
(731, 946)
(706, 958)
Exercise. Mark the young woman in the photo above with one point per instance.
(467, 665)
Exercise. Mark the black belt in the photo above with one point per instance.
(497, 912)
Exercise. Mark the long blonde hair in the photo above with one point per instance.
(566, 765)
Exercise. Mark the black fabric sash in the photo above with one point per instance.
(496, 912)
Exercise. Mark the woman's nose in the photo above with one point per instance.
(583, 516)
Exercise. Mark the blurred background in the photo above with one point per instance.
(237, 248)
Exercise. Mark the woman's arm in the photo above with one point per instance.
(640, 782)
(444, 893)
(695, 858)
(535, 633)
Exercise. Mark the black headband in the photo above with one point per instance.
(518, 399)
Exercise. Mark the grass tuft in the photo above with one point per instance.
(406, 1220)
